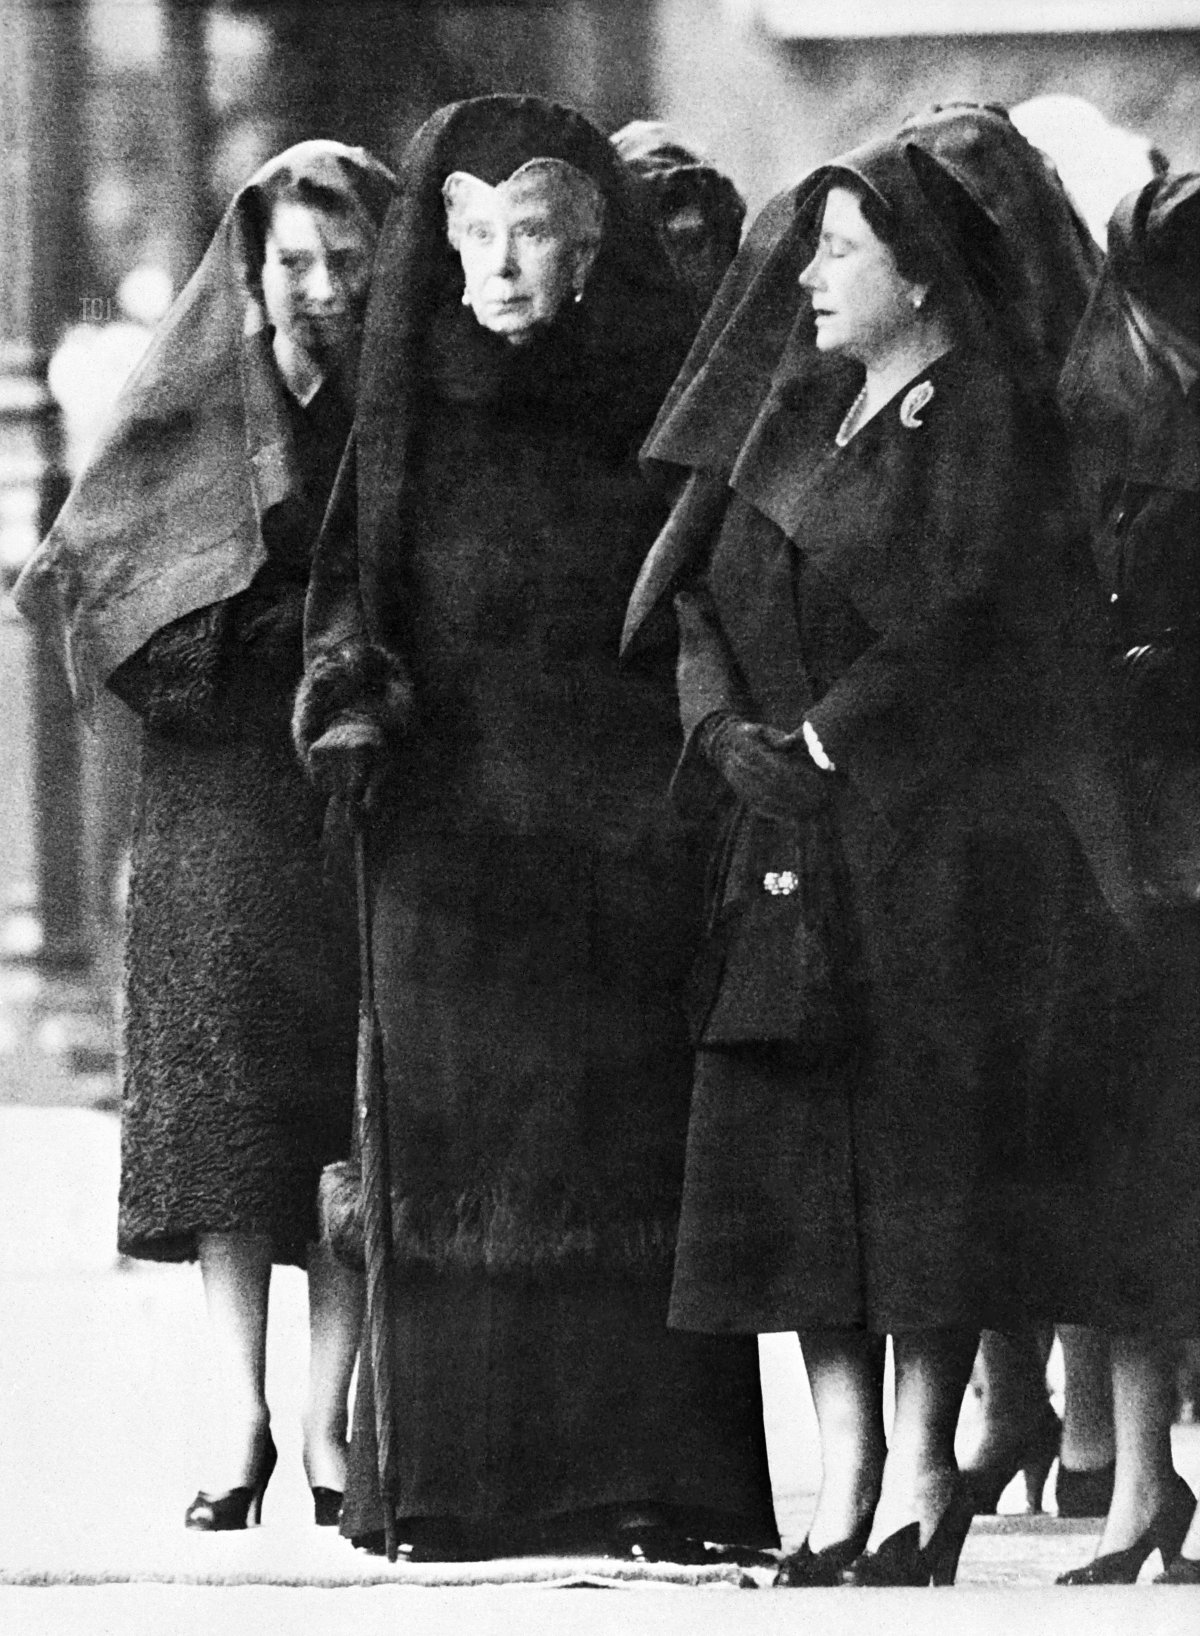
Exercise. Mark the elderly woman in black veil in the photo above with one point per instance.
(536, 905)
(888, 680)
(176, 577)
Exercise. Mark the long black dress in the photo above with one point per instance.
(536, 902)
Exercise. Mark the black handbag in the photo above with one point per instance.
(779, 963)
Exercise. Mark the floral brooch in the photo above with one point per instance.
(914, 402)
(781, 883)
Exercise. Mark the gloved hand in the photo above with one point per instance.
(345, 763)
(770, 770)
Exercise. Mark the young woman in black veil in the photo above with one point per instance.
(535, 902)
(176, 577)
(889, 681)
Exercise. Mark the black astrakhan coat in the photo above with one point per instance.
(241, 965)
(176, 575)
(536, 901)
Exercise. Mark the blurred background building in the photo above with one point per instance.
(125, 126)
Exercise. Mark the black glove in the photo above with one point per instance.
(345, 763)
(768, 769)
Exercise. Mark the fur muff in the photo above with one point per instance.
(355, 679)
(339, 1212)
(494, 1235)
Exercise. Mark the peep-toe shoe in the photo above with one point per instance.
(237, 1507)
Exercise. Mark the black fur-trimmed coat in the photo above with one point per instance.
(536, 901)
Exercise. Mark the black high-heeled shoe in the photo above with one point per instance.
(237, 1507)
(1084, 1493)
(1165, 1532)
(806, 1568)
(903, 1560)
(1032, 1453)
(327, 1506)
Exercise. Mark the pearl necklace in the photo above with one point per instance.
(850, 425)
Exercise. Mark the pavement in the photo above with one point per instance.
(102, 1385)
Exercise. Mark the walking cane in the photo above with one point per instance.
(376, 1201)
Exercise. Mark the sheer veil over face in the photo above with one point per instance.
(315, 277)
(617, 348)
(166, 516)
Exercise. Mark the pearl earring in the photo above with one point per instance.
(466, 299)
(918, 301)
(578, 296)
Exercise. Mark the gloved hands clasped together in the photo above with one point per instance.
(770, 770)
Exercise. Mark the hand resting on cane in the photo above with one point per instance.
(345, 764)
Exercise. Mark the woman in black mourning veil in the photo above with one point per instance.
(890, 684)
(536, 905)
(1131, 400)
(175, 576)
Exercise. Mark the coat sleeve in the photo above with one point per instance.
(707, 679)
(355, 690)
(173, 680)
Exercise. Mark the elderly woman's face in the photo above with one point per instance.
(861, 303)
(519, 262)
(315, 277)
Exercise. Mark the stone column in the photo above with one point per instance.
(42, 274)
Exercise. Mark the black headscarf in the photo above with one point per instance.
(166, 517)
(672, 174)
(1128, 415)
(754, 367)
(1054, 260)
(626, 338)
(756, 405)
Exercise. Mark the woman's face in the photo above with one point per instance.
(315, 278)
(862, 305)
(518, 260)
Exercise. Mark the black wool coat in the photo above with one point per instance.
(913, 1173)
